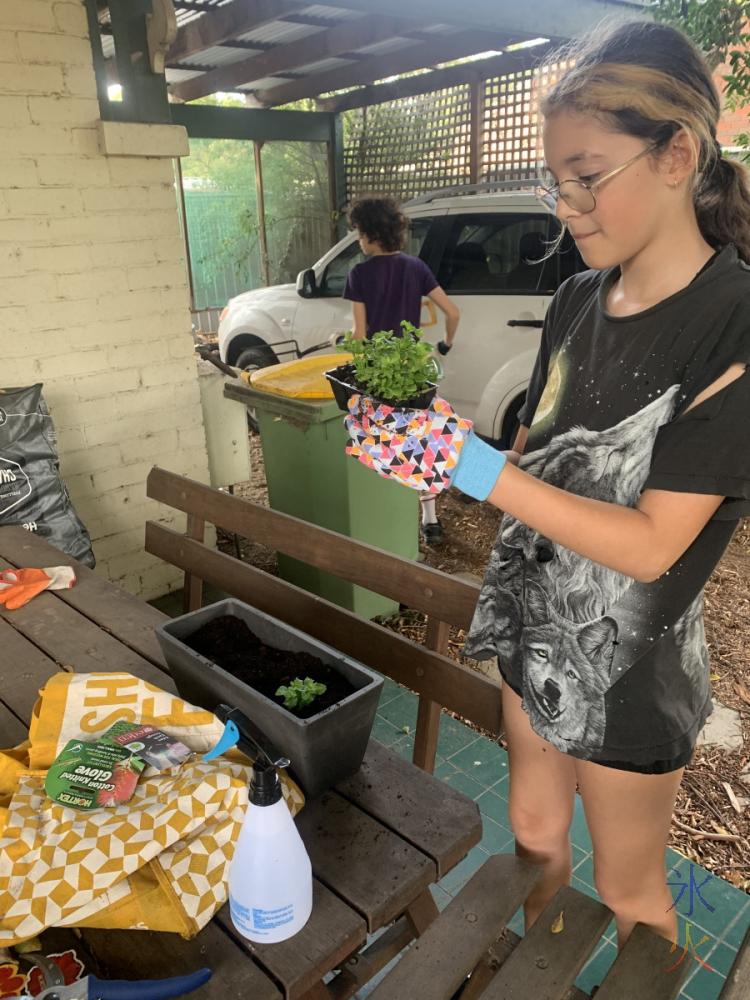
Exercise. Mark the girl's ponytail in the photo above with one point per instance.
(722, 205)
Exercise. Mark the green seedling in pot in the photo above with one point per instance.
(300, 693)
(392, 367)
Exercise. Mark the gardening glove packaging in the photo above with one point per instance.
(158, 862)
(18, 586)
(427, 450)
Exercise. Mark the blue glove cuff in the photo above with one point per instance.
(479, 465)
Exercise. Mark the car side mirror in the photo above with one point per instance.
(307, 286)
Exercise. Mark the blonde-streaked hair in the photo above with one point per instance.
(648, 80)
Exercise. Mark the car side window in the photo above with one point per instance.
(489, 254)
(335, 274)
(334, 278)
(415, 239)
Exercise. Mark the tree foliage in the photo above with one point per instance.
(721, 29)
(297, 213)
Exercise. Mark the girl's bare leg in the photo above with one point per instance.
(628, 816)
(540, 801)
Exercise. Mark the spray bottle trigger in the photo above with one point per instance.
(230, 738)
(242, 732)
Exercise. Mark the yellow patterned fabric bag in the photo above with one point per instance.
(158, 862)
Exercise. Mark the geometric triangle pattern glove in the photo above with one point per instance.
(19, 586)
(417, 448)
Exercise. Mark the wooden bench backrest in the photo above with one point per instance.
(438, 680)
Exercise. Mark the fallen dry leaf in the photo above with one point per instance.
(732, 797)
(558, 924)
(736, 878)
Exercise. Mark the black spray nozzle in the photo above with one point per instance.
(241, 732)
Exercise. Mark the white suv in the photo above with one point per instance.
(480, 243)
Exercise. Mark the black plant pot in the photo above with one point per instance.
(323, 749)
(345, 385)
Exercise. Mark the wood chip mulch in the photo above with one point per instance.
(711, 823)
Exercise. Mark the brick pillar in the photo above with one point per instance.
(94, 297)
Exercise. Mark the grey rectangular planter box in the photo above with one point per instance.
(323, 749)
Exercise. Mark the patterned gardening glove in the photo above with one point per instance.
(427, 450)
(18, 586)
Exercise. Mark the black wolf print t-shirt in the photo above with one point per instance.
(610, 669)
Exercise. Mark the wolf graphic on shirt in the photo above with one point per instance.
(565, 678)
(610, 465)
(690, 636)
(566, 673)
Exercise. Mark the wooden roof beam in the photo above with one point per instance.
(223, 23)
(377, 67)
(438, 79)
(344, 37)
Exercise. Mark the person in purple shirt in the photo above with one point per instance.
(389, 287)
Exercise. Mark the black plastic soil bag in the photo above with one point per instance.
(31, 492)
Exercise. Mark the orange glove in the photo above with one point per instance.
(18, 586)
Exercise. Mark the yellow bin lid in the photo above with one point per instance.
(300, 379)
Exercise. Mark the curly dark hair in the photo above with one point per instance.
(381, 220)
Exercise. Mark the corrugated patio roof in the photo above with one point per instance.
(279, 51)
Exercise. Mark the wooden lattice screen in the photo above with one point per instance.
(410, 145)
(416, 144)
(509, 140)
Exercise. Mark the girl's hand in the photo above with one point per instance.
(422, 448)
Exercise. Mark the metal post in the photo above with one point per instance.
(260, 198)
(186, 235)
(333, 212)
(337, 178)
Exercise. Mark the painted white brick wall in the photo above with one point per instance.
(94, 297)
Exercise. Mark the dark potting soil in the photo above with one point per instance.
(229, 642)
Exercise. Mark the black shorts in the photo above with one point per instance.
(653, 767)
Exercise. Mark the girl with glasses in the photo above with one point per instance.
(627, 477)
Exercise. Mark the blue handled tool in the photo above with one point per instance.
(91, 988)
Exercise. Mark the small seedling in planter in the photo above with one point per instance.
(300, 693)
(391, 368)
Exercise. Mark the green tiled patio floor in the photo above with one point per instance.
(479, 768)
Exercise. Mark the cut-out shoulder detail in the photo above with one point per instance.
(732, 373)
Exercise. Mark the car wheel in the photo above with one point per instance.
(251, 358)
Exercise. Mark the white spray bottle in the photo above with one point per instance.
(270, 877)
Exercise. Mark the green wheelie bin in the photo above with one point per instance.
(310, 476)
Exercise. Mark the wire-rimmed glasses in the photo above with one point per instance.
(579, 195)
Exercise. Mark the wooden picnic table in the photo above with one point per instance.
(377, 841)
